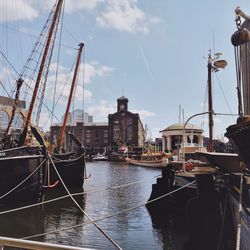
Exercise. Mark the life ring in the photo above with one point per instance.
(188, 166)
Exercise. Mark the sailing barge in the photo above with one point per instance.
(27, 169)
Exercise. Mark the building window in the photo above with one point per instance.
(130, 120)
(116, 135)
(4, 119)
(116, 128)
(18, 120)
(130, 135)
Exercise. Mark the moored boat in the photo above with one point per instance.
(68, 168)
(22, 166)
(100, 157)
(238, 134)
(21, 178)
(154, 160)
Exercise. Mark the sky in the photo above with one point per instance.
(153, 52)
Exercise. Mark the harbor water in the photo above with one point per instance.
(119, 211)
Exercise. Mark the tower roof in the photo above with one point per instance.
(179, 126)
(122, 98)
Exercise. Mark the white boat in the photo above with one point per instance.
(100, 157)
(154, 160)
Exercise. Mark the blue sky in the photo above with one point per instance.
(153, 52)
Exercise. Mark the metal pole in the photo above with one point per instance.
(28, 244)
(183, 134)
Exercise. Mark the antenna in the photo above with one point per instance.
(179, 113)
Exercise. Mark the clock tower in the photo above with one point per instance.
(122, 104)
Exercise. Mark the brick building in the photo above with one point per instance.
(94, 136)
(125, 128)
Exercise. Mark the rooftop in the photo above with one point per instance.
(179, 126)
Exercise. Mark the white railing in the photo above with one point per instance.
(28, 244)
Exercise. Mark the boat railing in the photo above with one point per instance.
(28, 244)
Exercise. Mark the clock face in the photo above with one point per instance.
(121, 106)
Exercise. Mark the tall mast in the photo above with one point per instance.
(42, 65)
(61, 135)
(210, 103)
(213, 64)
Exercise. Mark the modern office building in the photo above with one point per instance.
(78, 115)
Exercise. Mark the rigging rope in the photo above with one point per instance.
(58, 59)
(35, 36)
(74, 194)
(89, 218)
(224, 96)
(112, 215)
(13, 189)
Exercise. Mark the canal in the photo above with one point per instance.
(62, 222)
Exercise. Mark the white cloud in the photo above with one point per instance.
(93, 70)
(144, 113)
(4, 73)
(17, 10)
(28, 9)
(71, 6)
(101, 110)
(76, 5)
(124, 15)
(54, 67)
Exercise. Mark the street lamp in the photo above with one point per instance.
(213, 64)
(183, 134)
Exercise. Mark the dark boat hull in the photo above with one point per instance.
(16, 165)
(240, 195)
(239, 134)
(70, 168)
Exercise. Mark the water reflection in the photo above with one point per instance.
(63, 214)
(21, 223)
(135, 229)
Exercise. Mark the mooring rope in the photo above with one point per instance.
(112, 215)
(18, 185)
(74, 194)
(89, 218)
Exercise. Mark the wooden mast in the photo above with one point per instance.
(40, 72)
(210, 104)
(62, 131)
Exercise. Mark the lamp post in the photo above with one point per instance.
(183, 134)
(213, 65)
